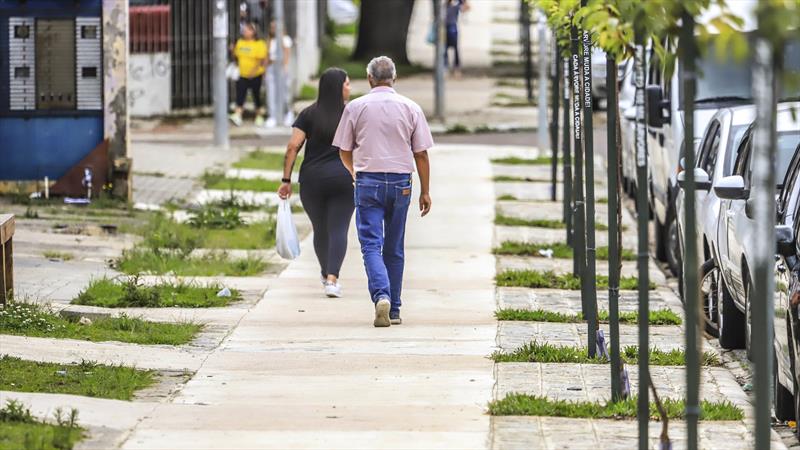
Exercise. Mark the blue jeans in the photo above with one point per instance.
(382, 201)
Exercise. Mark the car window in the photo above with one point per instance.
(741, 157)
(787, 143)
(785, 203)
(735, 136)
(711, 148)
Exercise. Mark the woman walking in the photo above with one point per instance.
(326, 187)
(251, 55)
(454, 9)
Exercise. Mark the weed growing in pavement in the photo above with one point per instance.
(85, 378)
(560, 250)
(509, 221)
(233, 201)
(507, 198)
(516, 161)
(30, 319)
(551, 280)
(531, 405)
(31, 213)
(548, 353)
(457, 128)
(511, 179)
(63, 256)
(143, 260)
(215, 218)
(261, 160)
(131, 293)
(218, 180)
(19, 429)
(659, 317)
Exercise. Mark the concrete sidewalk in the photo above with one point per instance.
(304, 371)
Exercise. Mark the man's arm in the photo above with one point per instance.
(424, 170)
(347, 160)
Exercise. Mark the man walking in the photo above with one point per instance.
(381, 136)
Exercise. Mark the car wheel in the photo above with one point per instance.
(783, 400)
(730, 319)
(709, 295)
(673, 249)
(660, 236)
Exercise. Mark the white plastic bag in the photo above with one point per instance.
(232, 71)
(286, 242)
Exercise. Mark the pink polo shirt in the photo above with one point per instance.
(383, 129)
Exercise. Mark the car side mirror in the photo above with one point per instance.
(784, 240)
(731, 188)
(702, 181)
(655, 106)
(748, 208)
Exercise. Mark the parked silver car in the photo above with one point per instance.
(734, 239)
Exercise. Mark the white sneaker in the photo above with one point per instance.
(271, 123)
(333, 290)
(236, 119)
(382, 313)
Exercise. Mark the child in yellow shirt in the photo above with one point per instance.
(251, 55)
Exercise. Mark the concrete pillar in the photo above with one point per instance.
(115, 93)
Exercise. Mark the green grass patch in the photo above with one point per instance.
(509, 221)
(659, 317)
(86, 378)
(130, 293)
(548, 353)
(20, 430)
(142, 260)
(334, 55)
(219, 181)
(308, 92)
(560, 250)
(510, 179)
(507, 198)
(62, 256)
(531, 405)
(551, 280)
(262, 160)
(345, 28)
(29, 319)
(515, 161)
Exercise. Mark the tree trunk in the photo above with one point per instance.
(383, 29)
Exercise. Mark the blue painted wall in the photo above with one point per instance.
(38, 144)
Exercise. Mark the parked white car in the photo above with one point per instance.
(627, 111)
(734, 238)
(714, 161)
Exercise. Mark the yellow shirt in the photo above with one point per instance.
(250, 55)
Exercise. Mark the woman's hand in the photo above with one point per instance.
(285, 191)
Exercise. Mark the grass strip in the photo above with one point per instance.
(143, 260)
(259, 159)
(560, 250)
(548, 353)
(19, 429)
(515, 161)
(659, 317)
(511, 179)
(507, 198)
(548, 279)
(509, 221)
(130, 293)
(29, 319)
(221, 182)
(531, 405)
(86, 378)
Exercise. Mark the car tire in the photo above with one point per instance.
(730, 320)
(783, 400)
(710, 273)
(672, 246)
(660, 237)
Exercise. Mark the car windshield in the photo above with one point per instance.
(737, 76)
(734, 139)
(787, 143)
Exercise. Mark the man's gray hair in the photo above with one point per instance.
(382, 69)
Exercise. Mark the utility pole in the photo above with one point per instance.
(279, 76)
(566, 144)
(438, 60)
(579, 214)
(525, 36)
(220, 35)
(614, 252)
(542, 131)
(642, 257)
(690, 286)
(588, 279)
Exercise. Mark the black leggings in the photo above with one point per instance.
(248, 84)
(329, 204)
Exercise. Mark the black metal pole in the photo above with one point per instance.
(579, 216)
(525, 36)
(690, 269)
(554, 100)
(566, 145)
(589, 285)
(643, 403)
(613, 161)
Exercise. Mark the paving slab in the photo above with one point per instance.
(546, 210)
(536, 235)
(533, 172)
(570, 301)
(523, 190)
(564, 266)
(512, 335)
(551, 433)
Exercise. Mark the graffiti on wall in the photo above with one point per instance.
(149, 85)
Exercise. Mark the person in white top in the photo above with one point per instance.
(272, 76)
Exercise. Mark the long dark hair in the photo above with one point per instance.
(327, 110)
